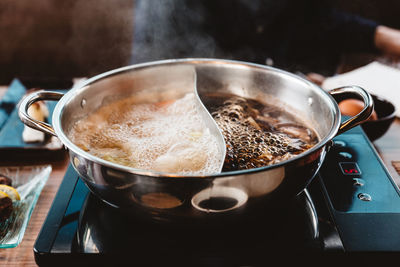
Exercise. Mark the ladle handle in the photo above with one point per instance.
(28, 100)
(360, 117)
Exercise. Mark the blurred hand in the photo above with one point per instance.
(387, 40)
(315, 78)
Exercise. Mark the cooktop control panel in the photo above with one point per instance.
(355, 178)
(361, 195)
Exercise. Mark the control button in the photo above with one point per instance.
(364, 197)
(345, 155)
(358, 182)
(339, 143)
(349, 168)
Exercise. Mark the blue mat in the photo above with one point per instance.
(11, 127)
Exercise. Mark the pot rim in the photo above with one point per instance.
(58, 110)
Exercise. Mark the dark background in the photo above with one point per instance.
(46, 43)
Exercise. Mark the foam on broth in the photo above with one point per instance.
(166, 136)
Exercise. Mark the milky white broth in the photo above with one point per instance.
(168, 136)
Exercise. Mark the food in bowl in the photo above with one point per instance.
(351, 107)
(170, 136)
(8, 195)
(380, 120)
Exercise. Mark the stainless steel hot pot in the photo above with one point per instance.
(221, 196)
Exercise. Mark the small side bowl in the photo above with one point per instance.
(386, 113)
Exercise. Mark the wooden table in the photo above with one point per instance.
(388, 146)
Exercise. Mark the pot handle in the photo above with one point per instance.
(28, 100)
(360, 117)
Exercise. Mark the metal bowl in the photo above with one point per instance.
(217, 197)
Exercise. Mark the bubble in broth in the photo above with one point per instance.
(168, 136)
(257, 134)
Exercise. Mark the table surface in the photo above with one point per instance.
(387, 146)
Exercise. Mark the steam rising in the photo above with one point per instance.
(170, 29)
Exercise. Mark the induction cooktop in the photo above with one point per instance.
(352, 206)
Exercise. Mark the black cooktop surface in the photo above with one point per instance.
(81, 228)
(351, 206)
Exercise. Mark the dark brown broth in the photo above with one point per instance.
(257, 134)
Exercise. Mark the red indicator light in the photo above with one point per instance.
(349, 168)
